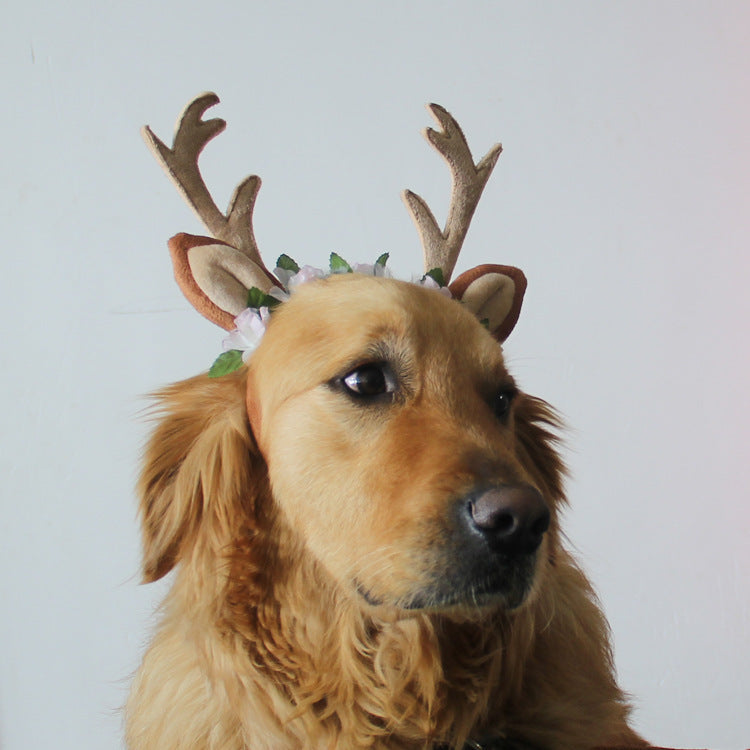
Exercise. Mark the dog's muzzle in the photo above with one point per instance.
(488, 555)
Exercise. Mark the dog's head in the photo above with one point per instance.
(376, 421)
(390, 428)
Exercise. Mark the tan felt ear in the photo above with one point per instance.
(225, 275)
(215, 277)
(493, 293)
(490, 298)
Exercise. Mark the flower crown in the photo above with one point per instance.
(251, 323)
(223, 276)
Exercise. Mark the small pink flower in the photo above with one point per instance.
(251, 325)
(372, 269)
(283, 275)
(305, 274)
(290, 280)
(278, 293)
(429, 283)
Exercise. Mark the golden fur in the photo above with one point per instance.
(312, 604)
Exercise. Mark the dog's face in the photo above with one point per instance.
(387, 419)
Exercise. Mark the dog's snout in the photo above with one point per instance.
(512, 518)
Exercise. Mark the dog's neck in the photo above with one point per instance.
(357, 671)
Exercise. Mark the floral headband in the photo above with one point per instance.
(225, 279)
(250, 324)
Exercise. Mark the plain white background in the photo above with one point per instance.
(623, 192)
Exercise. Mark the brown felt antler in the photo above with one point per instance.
(214, 276)
(493, 293)
(441, 247)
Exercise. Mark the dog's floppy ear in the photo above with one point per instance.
(538, 428)
(201, 472)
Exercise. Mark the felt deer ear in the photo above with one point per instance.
(215, 273)
(494, 294)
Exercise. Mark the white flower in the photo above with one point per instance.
(278, 293)
(429, 283)
(305, 274)
(283, 275)
(370, 269)
(251, 322)
(251, 325)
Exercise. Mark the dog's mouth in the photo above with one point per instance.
(495, 583)
(506, 586)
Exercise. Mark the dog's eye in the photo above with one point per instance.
(502, 403)
(369, 381)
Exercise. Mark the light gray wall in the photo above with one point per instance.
(623, 192)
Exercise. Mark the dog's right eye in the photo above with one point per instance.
(369, 381)
(502, 402)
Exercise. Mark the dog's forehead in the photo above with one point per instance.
(342, 316)
(339, 322)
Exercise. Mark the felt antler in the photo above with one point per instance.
(441, 248)
(493, 293)
(214, 276)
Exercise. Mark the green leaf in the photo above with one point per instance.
(382, 260)
(339, 265)
(257, 299)
(226, 363)
(436, 274)
(287, 263)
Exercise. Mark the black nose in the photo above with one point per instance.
(512, 518)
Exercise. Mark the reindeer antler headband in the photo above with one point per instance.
(222, 275)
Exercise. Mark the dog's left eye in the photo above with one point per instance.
(369, 381)
(502, 403)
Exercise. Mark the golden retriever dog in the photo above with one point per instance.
(363, 525)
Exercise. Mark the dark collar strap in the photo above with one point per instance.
(496, 743)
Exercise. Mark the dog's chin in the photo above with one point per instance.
(507, 587)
